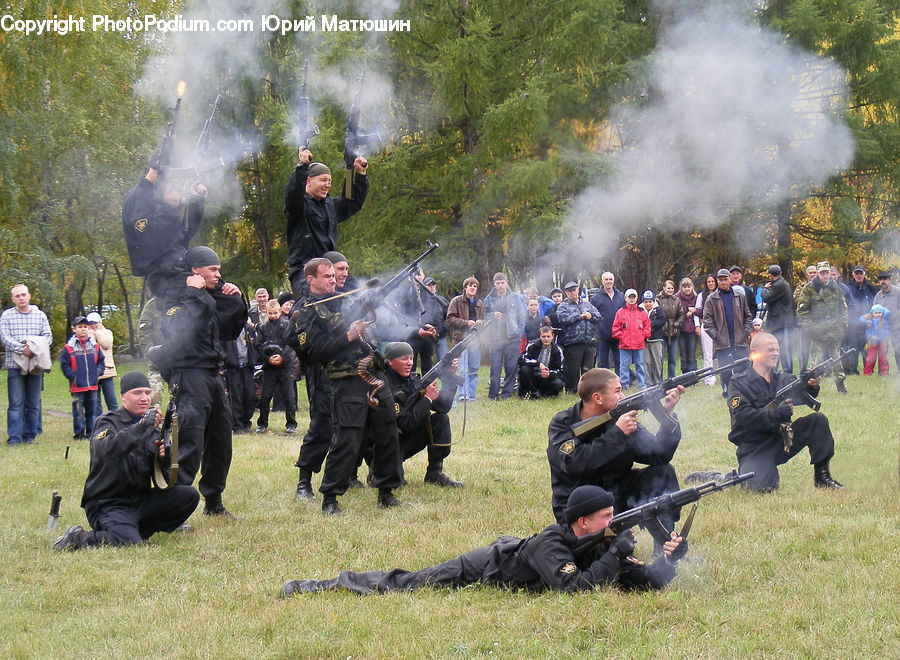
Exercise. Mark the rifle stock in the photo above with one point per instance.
(169, 432)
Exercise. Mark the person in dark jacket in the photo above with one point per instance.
(507, 308)
(464, 312)
(274, 359)
(422, 419)
(120, 504)
(605, 456)
(777, 295)
(859, 301)
(608, 300)
(578, 334)
(653, 347)
(82, 362)
(208, 313)
(545, 561)
(767, 438)
(727, 320)
(674, 313)
(158, 226)
(541, 367)
(313, 216)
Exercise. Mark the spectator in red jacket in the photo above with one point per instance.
(632, 328)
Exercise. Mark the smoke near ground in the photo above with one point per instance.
(733, 119)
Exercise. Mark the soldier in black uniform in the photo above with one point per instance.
(762, 436)
(158, 227)
(545, 561)
(325, 337)
(606, 455)
(121, 505)
(194, 328)
(318, 393)
(421, 415)
(313, 216)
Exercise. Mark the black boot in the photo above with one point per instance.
(386, 500)
(435, 475)
(822, 477)
(330, 506)
(841, 388)
(214, 507)
(304, 486)
(71, 540)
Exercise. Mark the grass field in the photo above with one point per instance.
(799, 573)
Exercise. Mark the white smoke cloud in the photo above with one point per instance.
(735, 120)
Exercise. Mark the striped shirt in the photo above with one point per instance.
(16, 326)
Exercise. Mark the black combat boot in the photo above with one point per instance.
(822, 477)
(386, 499)
(330, 506)
(435, 475)
(304, 486)
(841, 388)
(214, 507)
(71, 540)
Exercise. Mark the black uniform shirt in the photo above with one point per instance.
(748, 394)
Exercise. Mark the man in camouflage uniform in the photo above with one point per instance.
(150, 335)
(822, 313)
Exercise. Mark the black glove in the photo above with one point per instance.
(783, 412)
(148, 421)
(622, 545)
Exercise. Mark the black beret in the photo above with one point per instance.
(132, 380)
(585, 500)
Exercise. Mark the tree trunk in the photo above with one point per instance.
(132, 348)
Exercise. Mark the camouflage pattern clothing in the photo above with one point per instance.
(822, 314)
(149, 335)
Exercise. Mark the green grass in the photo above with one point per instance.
(799, 573)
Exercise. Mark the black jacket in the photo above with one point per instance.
(751, 424)
(321, 337)
(533, 351)
(154, 231)
(412, 408)
(121, 459)
(601, 457)
(779, 305)
(312, 224)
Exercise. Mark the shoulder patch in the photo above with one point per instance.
(141, 224)
(734, 402)
(396, 407)
(301, 338)
(567, 447)
(102, 434)
(568, 568)
(172, 310)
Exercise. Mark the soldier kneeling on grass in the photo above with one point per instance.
(546, 561)
(120, 503)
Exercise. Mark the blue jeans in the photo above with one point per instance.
(626, 359)
(108, 390)
(23, 417)
(84, 412)
(670, 352)
(440, 348)
(469, 362)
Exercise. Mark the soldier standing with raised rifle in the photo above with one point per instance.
(764, 434)
(325, 337)
(120, 504)
(605, 456)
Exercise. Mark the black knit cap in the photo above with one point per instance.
(200, 256)
(585, 500)
(397, 349)
(334, 257)
(132, 380)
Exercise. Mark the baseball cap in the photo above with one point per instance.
(648, 295)
(630, 292)
(78, 320)
(94, 317)
(722, 273)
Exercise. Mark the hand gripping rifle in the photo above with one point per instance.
(648, 514)
(169, 434)
(353, 140)
(797, 390)
(307, 131)
(651, 399)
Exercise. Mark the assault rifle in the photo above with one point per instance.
(163, 160)
(353, 140)
(307, 131)
(648, 514)
(651, 399)
(442, 368)
(169, 439)
(797, 390)
(200, 165)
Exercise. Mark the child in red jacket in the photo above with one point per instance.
(632, 328)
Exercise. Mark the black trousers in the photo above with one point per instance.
(578, 358)
(204, 429)
(725, 356)
(242, 396)
(352, 418)
(457, 572)
(531, 383)
(277, 379)
(639, 485)
(423, 353)
(319, 434)
(132, 520)
(437, 442)
(763, 458)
